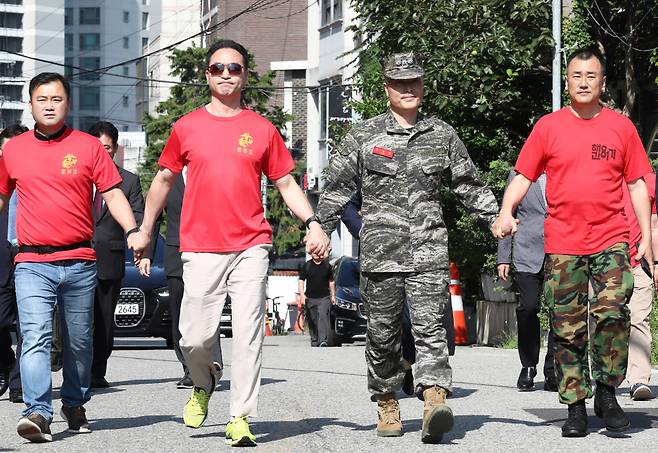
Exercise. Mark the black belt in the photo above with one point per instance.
(46, 249)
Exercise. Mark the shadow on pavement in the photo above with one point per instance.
(641, 419)
(313, 371)
(110, 424)
(271, 431)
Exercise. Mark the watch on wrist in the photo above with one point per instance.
(134, 230)
(311, 219)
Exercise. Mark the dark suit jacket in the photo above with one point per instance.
(351, 217)
(5, 250)
(526, 248)
(172, 259)
(109, 237)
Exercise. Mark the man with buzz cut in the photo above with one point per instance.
(224, 236)
(54, 170)
(588, 153)
(400, 159)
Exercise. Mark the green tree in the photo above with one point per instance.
(191, 93)
(487, 73)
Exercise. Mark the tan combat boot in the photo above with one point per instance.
(388, 416)
(437, 416)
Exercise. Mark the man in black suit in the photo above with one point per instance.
(109, 244)
(174, 269)
(10, 377)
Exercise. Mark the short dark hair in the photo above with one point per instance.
(585, 53)
(12, 131)
(48, 77)
(105, 127)
(228, 44)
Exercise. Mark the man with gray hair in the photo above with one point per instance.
(401, 160)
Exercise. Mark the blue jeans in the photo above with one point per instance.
(39, 286)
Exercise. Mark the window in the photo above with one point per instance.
(145, 43)
(126, 17)
(90, 41)
(126, 71)
(90, 98)
(68, 41)
(90, 64)
(68, 16)
(125, 100)
(68, 69)
(145, 20)
(126, 42)
(331, 10)
(90, 16)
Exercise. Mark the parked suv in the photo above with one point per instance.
(143, 306)
(349, 314)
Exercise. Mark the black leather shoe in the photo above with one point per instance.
(185, 382)
(4, 380)
(16, 395)
(526, 381)
(607, 408)
(576, 424)
(550, 383)
(408, 384)
(99, 383)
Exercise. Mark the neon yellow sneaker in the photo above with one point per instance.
(238, 434)
(196, 409)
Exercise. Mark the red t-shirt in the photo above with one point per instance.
(225, 157)
(635, 235)
(54, 179)
(586, 163)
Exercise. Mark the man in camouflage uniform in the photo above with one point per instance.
(587, 152)
(401, 158)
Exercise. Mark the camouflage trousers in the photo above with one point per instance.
(427, 297)
(566, 292)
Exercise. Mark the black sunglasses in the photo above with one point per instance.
(217, 69)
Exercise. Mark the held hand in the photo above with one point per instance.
(333, 300)
(503, 271)
(504, 225)
(317, 242)
(138, 243)
(145, 267)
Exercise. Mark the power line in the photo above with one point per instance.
(610, 31)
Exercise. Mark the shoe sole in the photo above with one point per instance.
(244, 441)
(184, 386)
(81, 430)
(530, 389)
(440, 421)
(614, 429)
(642, 394)
(574, 433)
(31, 431)
(390, 433)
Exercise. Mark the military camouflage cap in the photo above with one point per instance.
(403, 66)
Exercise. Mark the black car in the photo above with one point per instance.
(349, 315)
(143, 306)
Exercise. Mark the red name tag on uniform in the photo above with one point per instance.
(383, 152)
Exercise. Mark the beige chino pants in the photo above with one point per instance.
(208, 278)
(639, 347)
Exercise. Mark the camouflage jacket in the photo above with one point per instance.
(401, 172)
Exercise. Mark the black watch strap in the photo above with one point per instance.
(134, 230)
(313, 218)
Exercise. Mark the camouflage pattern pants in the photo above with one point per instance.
(566, 287)
(427, 297)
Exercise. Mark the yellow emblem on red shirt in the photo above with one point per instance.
(243, 143)
(68, 164)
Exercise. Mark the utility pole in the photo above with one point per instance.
(557, 53)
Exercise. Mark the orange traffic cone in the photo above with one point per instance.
(461, 338)
(268, 329)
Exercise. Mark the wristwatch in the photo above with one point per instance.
(310, 220)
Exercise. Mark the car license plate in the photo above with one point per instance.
(127, 309)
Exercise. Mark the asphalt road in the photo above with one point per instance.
(315, 400)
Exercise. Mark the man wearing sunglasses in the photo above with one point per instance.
(224, 237)
(401, 159)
